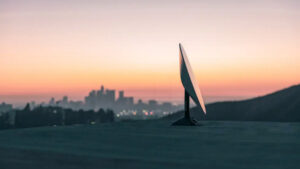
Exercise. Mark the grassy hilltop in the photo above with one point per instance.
(153, 144)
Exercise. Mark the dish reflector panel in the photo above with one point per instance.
(188, 79)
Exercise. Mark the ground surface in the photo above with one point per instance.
(153, 144)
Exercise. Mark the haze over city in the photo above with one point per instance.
(237, 49)
(155, 84)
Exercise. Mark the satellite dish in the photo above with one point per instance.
(191, 89)
(188, 79)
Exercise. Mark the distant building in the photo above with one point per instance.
(110, 97)
(5, 107)
(122, 106)
(32, 104)
(52, 102)
(90, 100)
(153, 104)
(166, 106)
(121, 95)
(124, 102)
(100, 99)
(65, 100)
(130, 101)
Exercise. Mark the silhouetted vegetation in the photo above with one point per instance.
(52, 116)
(4, 121)
(281, 106)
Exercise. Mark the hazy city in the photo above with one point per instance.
(123, 106)
(149, 84)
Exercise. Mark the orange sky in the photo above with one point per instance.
(236, 48)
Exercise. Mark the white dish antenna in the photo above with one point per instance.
(188, 79)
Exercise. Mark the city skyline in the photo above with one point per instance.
(121, 105)
(55, 48)
(97, 98)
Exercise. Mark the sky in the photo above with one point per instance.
(237, 49)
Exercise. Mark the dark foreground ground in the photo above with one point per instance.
(153, 144)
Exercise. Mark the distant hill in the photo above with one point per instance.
(281, 106)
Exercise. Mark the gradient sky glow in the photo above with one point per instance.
(68, 47)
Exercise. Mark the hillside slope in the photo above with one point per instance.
(282, 106)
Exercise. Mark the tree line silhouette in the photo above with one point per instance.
(52, 116)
